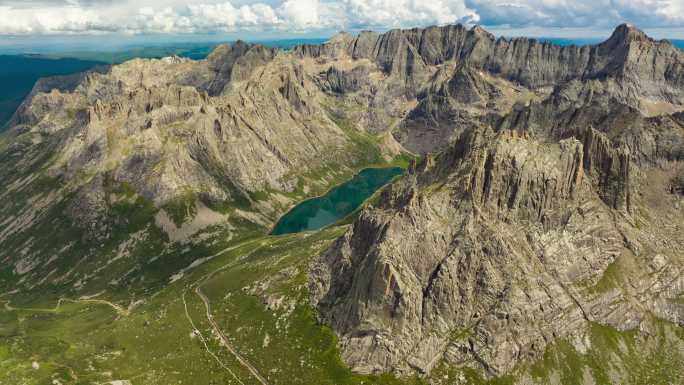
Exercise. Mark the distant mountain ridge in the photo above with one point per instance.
(421, 64)
(36, 66)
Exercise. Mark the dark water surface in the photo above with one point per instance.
(19, 73)
(316, 213)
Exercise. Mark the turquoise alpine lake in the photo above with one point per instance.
(316, 213)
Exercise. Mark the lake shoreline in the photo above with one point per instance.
(315, 208)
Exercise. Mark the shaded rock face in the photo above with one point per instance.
(89, 210)
(678, 184)
(235, 63)
(341, 82)
(490, 250)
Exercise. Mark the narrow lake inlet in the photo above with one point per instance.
(316, 213)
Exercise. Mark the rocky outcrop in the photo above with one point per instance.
(677, 184)
(342, 82)
(64, 83)
(235, 63)
(89, 211)
(489, 251)
(610, 168)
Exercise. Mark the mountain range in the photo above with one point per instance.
(535, 238)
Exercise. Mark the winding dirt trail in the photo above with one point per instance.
(120, 310)
(196, 331)
(197, 285)
(225, 340)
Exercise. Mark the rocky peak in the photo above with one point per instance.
(235, 63)
(479, 32)
(341, 37)
(223, 51)
(625, 33)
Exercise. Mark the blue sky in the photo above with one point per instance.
(113, 21)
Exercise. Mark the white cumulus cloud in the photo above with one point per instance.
(404, 13)
(301, 13)
(580, 13)
(31, 17)
(68, 19)
(221, 17)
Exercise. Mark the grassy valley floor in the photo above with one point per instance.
(243, 318)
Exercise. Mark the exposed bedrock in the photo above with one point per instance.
(489, 251)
